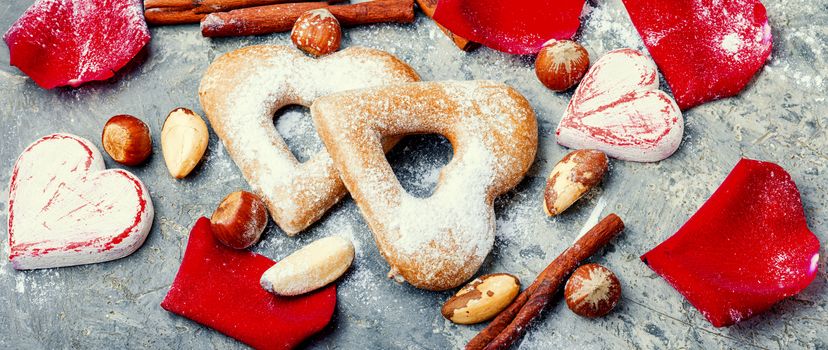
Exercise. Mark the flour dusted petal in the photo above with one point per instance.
(707, 49)
(70, 42)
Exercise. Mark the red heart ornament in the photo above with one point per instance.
(707, 49)
(619, 110)
(70, 42)
(66, 209)
(745, 249)
(219, 287)
(517, 26)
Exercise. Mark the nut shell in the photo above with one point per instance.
(184, 139)
(239, 220)
(481, 299)
(561, 64)
(577, 173)
(592, 291)
(127, 140)
(317, 32)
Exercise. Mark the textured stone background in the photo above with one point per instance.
(780, 117)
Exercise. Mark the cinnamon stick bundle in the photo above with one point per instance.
(166, 12)
(281, 17)
(511, 323)
(210, 6)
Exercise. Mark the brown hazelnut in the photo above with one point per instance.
(239, 220)
(592, 291)
(561, 64)
(317, 32)
(127, 140)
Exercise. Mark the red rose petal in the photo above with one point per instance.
(219, 288)
(707, 49)
(518, 27)
(70, 42)
(747, 247)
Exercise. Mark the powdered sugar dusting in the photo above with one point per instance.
(740, 37)
(731, 43)
(264, 79)
(436, 242)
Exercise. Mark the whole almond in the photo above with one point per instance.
(183, 141)
(481, 299)
(309, 268)
(578, 172)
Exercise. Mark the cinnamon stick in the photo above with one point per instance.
(210, 6)
(428, 7)
(510, 324)
(188, 11)
(171, 15)
(170, 4)
(280, 18)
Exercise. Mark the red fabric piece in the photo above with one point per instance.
(745, 249)
(707, 49)
(517, 26)
(219, 287)
(70, 42)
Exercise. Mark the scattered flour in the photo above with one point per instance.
(731, 43)
(593, 219)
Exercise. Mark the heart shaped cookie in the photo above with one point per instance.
(243, 89)
(66, 208)
(438, 242)
(619, 110)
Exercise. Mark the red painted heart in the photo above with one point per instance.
(219, 287)
(66, 209)
(747, 248)
(70, 42)
(619, 110)
(707, 49)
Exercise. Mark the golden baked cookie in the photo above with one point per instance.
(243, 89)
(438, 242)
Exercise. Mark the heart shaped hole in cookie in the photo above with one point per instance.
(417, 161)
(294, 123)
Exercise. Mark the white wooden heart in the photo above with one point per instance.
(66, 208)
(619, 110)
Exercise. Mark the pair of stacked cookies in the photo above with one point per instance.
(362, 100)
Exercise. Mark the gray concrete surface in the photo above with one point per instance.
(780, 117)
